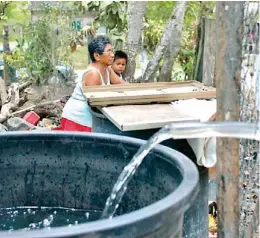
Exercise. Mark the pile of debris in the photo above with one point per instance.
(27, 107)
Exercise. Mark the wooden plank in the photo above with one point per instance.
(142, 117)
(209, 52)
(138, 86)
(229, 29)
(180, 90)
(147, 93)
(152, 99)
(110, 95)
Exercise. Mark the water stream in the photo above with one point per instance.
(176, 131)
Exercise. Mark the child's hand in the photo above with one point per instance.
(110, 70)
(114, 77)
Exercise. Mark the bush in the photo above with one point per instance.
(46, 43)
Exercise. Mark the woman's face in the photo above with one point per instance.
(107, 57)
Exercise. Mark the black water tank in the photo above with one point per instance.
(196, 218)
(78, 170)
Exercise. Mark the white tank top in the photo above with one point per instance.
(77, 108)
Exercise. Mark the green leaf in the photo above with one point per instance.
(105, 4)
(111, 25)
(114, 10)
(187, 52)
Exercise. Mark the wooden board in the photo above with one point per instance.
(138, 86)
(209, 52)
(147, 93)
(143, 117)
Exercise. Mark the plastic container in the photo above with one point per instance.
(78, 170)
(32, 117)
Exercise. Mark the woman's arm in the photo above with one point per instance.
(91, 78)
(115, 79)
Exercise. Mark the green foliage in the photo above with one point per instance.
(152, 34)
(16, 59)
(159, 10)
(156, 16)
(194, 11)
(14, 11)
(112, 15)
(45, 43)
(15, 14)
(38, 55)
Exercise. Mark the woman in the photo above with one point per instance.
(76, 114)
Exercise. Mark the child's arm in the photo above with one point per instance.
(115, 79)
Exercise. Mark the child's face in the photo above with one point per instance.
(119, 65)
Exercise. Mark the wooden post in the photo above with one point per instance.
(197, 67)
(229, 29)
(206, 52)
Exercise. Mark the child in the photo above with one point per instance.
(120, 61)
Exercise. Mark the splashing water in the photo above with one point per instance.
(176, 131)
(33, 218)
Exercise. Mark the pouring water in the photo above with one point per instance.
(239, 130)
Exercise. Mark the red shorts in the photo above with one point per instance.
(68, 125)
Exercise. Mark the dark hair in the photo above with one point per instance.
(119, 54)
(97, 45)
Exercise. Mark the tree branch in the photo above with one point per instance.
(174, 44)
(161, 48)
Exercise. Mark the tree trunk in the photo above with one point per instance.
(135, 12)
(6, 50)
(229, 29)
(160, 50)
(3, 93)
(174, 44)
